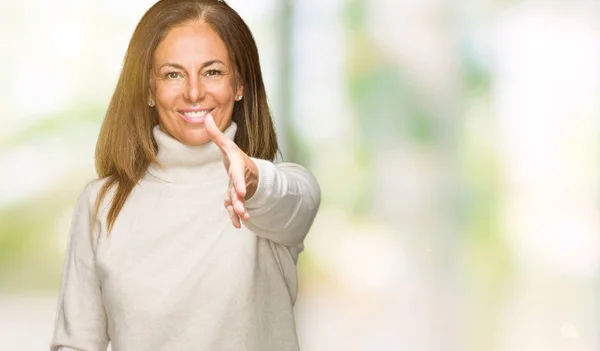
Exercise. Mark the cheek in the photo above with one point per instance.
(167, 94)
(166, 97)
(221, 91)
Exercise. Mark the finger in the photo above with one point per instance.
(238, 206)
(237, 189)
(227, 201)
(230, 210)
(237, 173)
(215, 134)
(235, 220)
(245, 216)
(231, 199)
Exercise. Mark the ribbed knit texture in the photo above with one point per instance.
(174, 273)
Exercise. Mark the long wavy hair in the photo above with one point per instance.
(126, 146)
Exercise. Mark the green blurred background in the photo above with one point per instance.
(456, 143)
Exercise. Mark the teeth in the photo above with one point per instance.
(195, 114)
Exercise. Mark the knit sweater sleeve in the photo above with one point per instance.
(80, 319)
(285, 202)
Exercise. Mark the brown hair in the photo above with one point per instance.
(126, 146)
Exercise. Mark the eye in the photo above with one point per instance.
(213, 73)
(173, 75)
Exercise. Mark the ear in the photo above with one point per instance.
(239, 92)
(150, 100)
(151, 94)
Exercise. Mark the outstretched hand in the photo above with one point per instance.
(242, 171)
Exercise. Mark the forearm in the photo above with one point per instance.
(285, 203)
(81, 320)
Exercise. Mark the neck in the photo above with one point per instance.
(178, 162)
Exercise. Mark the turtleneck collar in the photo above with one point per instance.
(179, 162)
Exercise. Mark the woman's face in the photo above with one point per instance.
(192, 76)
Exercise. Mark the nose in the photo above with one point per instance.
(195, 90)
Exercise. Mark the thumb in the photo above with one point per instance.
(214, 133)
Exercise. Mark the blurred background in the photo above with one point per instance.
(456, 143)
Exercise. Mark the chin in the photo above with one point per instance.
(195, 137)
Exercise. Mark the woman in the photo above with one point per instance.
(156, 259)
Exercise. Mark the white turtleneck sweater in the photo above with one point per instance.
(175, 274)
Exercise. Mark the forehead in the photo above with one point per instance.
(190, 43)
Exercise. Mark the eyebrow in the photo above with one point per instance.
(176, 65)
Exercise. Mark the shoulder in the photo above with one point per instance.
(91, 191)
(93, 187)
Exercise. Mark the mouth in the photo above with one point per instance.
(194, 115)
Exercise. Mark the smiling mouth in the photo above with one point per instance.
(196, 116)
